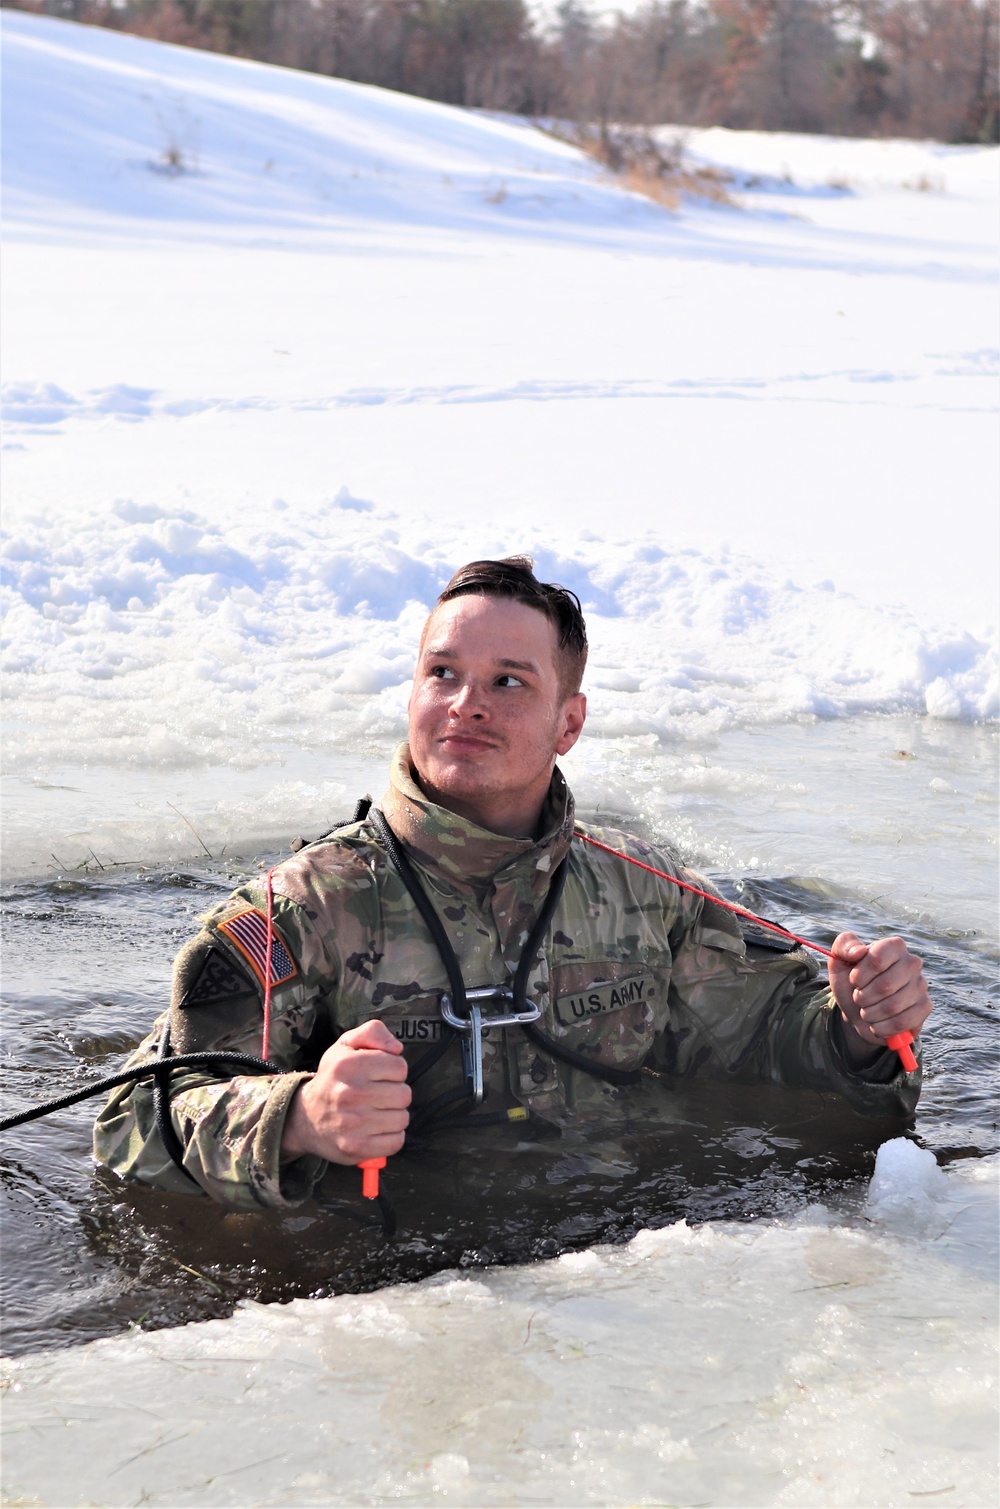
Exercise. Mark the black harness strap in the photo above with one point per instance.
(361, 807)
(422, 902)
(579, 1060)
(453, 970)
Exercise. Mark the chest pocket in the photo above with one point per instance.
(614, 1008)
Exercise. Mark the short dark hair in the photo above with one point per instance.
(514, 577)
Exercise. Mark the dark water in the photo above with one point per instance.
(87, 967)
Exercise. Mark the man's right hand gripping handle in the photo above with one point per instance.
(356, 1104)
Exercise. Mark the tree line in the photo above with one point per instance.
(918, 68)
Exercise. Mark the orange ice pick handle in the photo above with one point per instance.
(900, 1043)
(369, 1176)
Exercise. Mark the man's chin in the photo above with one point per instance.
(461, 781)
(460, 778)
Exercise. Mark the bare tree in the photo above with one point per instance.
(865, 67)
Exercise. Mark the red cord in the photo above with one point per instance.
(269, 892)
(900, 1042)
(369, 1166)
(730, 906)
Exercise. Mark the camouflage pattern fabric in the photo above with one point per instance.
(634, 973)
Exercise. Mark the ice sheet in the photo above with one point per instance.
(835, 1359)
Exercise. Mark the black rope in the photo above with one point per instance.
(526, 963)
(389, 1222)
(162, 1092)
(152, 1069)
(160, 1069)
(531, 1031)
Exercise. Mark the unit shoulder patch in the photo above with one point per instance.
(248, 932)
(218, 979)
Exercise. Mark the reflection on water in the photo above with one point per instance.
(88, 965)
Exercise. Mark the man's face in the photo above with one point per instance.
(487, 714)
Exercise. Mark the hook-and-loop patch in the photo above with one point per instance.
(248, 931)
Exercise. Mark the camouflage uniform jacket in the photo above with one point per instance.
(634, 972)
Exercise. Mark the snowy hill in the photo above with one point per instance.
(103, 129)
(109, 134)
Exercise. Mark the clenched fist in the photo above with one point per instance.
(880, 989)
(356, 1104)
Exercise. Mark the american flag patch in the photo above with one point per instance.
(248, 930)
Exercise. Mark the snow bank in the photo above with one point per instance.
(816, 1361)
(247, 639)
(789, 163)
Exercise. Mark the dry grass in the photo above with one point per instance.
(669, 188)
(927, 183)
(641, 164)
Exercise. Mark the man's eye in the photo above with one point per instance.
(509, 681)
(442, 672)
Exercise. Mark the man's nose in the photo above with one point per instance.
(468, 701)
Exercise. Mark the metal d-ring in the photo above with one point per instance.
(475, 1024)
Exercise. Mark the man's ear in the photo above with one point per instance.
(574, 716)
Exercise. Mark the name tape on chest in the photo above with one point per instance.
(599, 999)
(420, 1029)
(248, 931)
(417, 1029)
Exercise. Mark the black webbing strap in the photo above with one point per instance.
(361, 807)
(526, 963)
(423, 904)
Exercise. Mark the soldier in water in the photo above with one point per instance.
(473, 896)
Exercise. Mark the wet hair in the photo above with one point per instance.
(514, 577)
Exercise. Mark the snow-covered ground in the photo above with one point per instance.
(281, 351)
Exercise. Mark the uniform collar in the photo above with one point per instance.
(441, 841)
